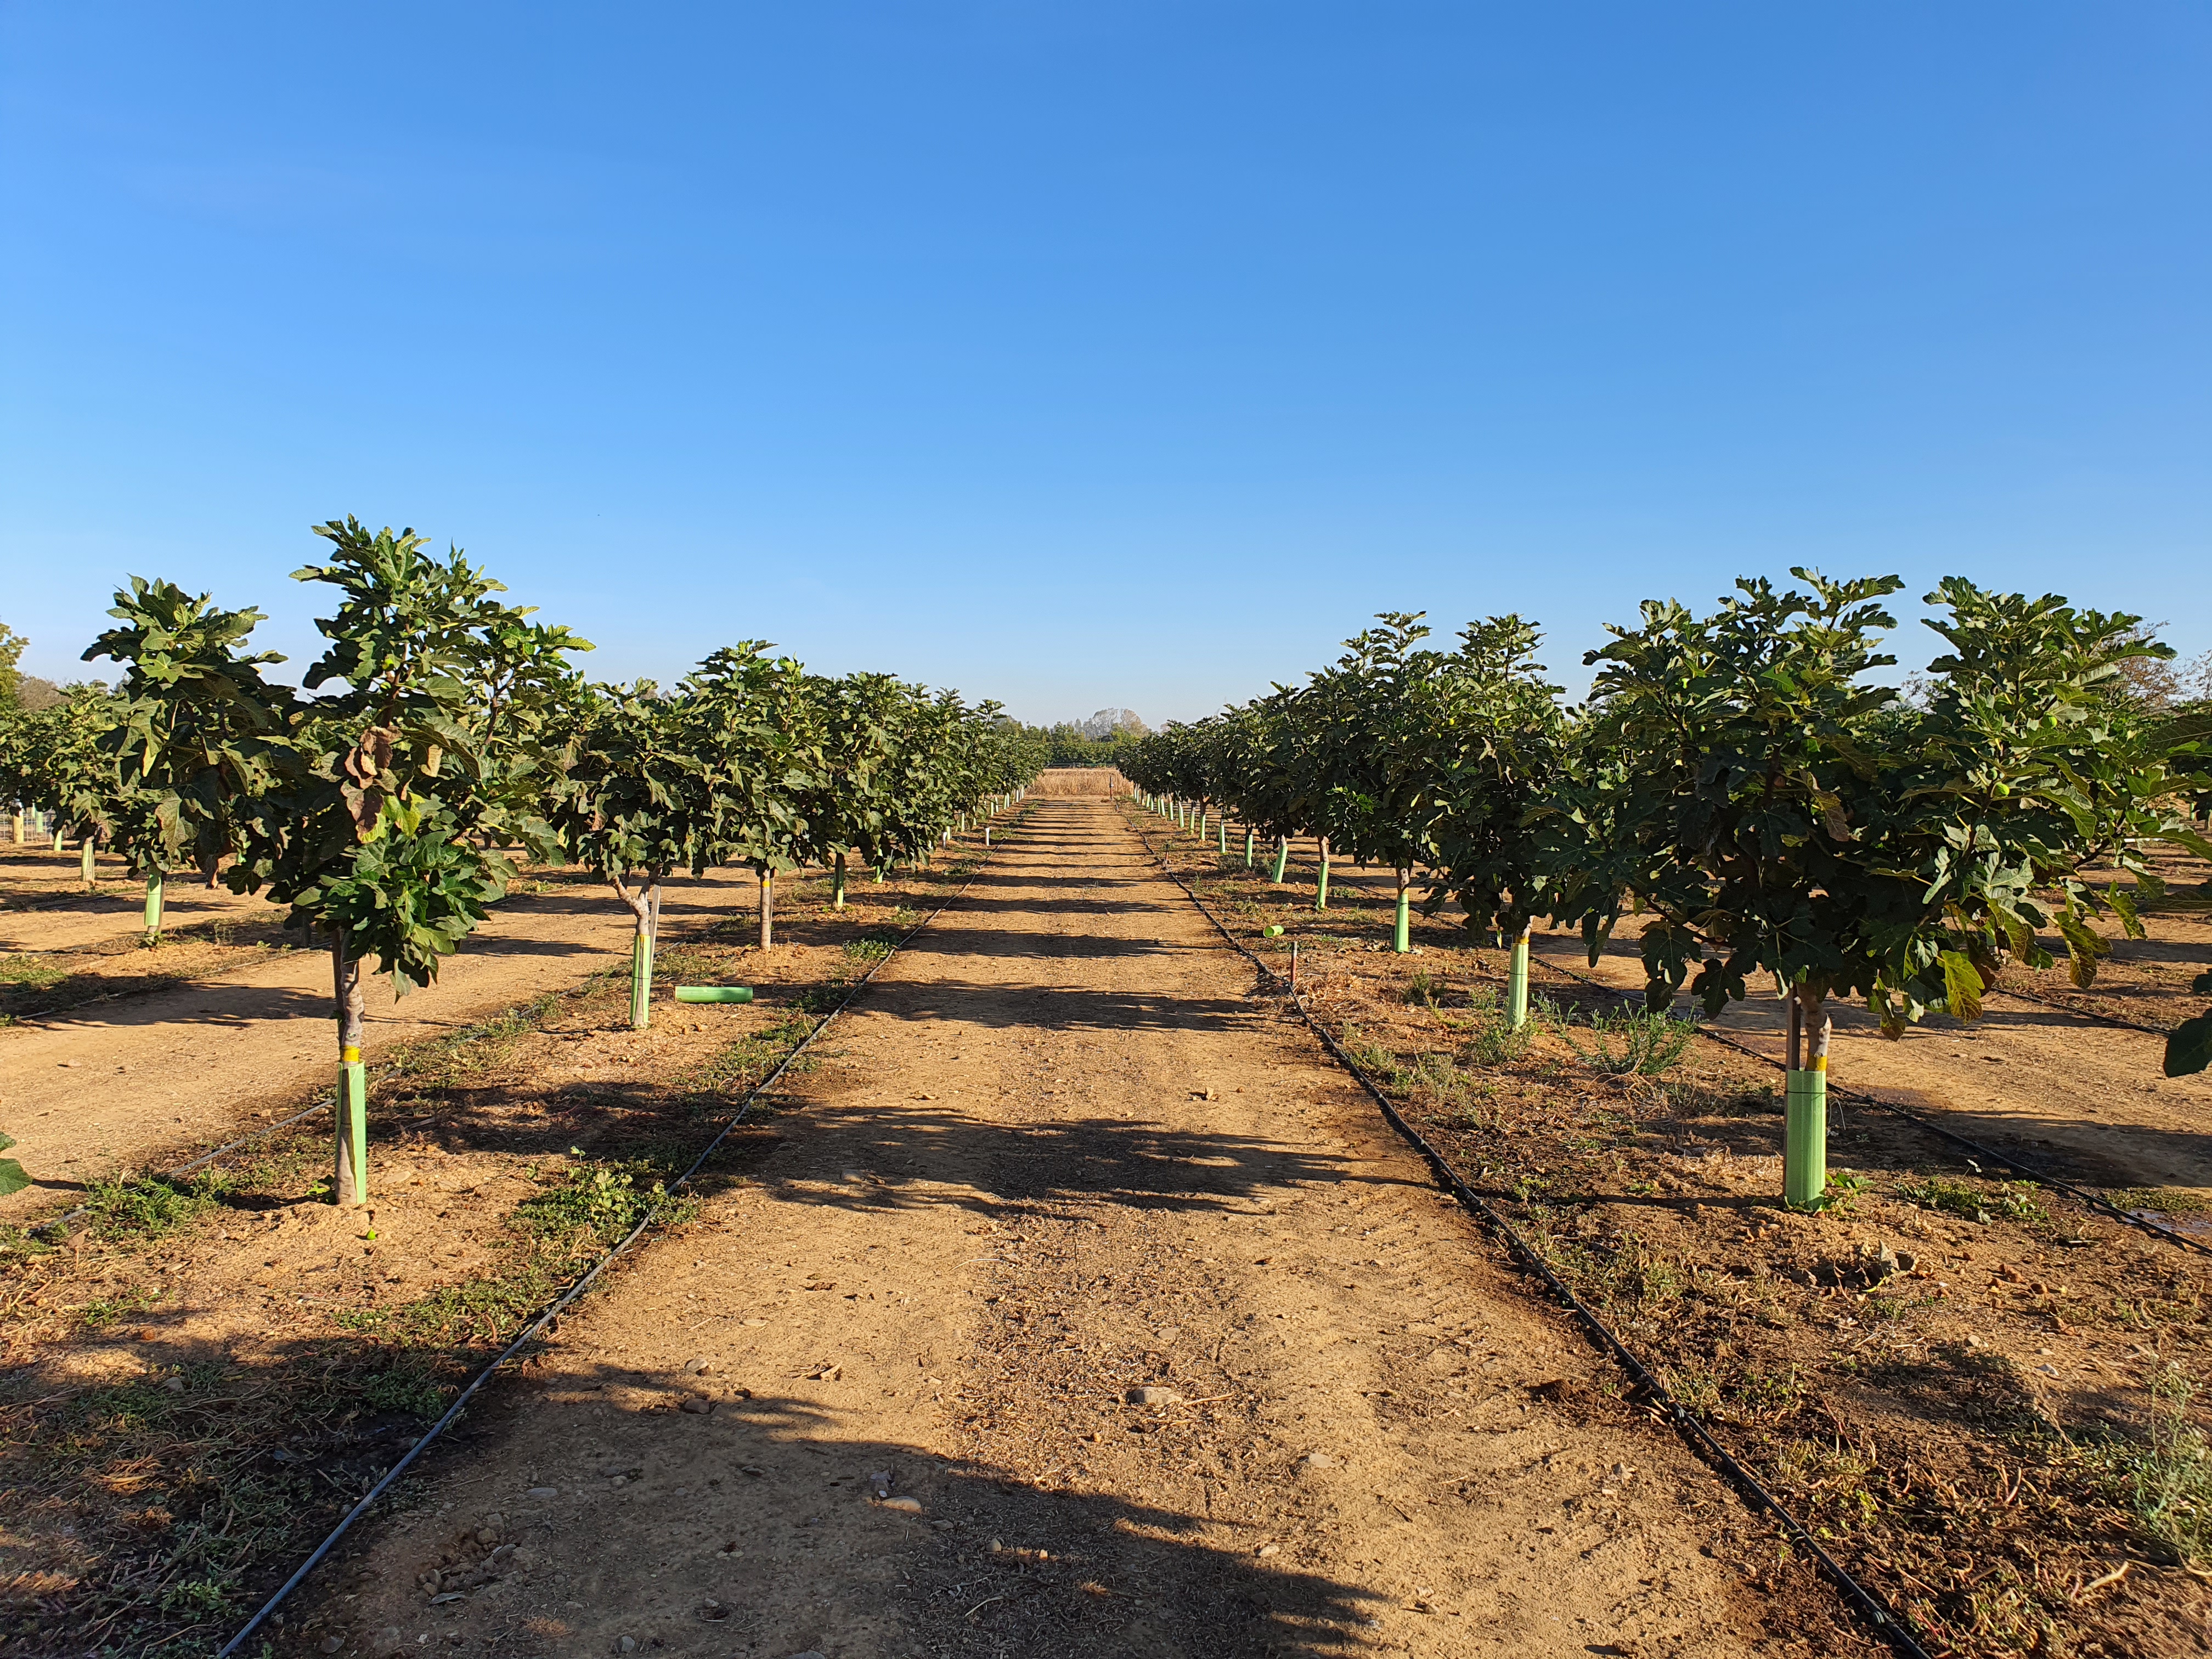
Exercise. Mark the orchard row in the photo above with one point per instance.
(444, 733)
(1741, 782)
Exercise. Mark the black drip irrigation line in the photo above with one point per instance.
(1887, 1624)
(2041, 1177)
(2078, 1013)
(560, 1303)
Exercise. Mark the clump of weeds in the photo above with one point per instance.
(148, 1206)
(1632, 1042)
(2010, 1199)
(2165, 1476)
(1494, 1043)
(596, 1205)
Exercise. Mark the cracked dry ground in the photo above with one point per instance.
(1059, 1153)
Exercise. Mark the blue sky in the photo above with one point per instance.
(1113, 354)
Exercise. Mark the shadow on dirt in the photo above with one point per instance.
(868, 1158)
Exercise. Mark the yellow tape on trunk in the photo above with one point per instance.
(349, 1054)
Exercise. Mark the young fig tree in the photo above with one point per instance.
(635, 804)
(385, 831)
(194, 731)
(1503, 740)
(1775, 813)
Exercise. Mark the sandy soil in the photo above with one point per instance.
(1060, 1155)
(143, 1081)
(44, 908)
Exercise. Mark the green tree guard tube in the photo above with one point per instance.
(1224, 837)
(1805, 1107)
(350, 1184)
(1282, 858)
(1248, 835)
(640, 968)
(1321, 886)
(713, 993)
(1403, 940)
(153, 908)
(85, 865)
(1516, 983)
(353, 1128)
(837, 878)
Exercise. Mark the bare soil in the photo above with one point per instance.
(141, 1081)
(200, 1378)
(1060, 1156)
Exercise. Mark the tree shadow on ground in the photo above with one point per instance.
(758, 1503)
(998, 1006)
(863, 1156)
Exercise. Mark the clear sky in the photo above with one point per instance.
(1104, 353)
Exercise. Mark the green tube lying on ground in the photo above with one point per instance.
(713, 993)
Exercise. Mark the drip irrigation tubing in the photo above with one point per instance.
(2078, 1013)
(560, 1303)
(2041, 1177)
(1887, 1624)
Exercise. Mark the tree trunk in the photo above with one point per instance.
(210, 864)
(153, 908)
(1805, 1102)
(1402, 939)
(766, 906)
(350, 994)
(86, 868)
(837, 883)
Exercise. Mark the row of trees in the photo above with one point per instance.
(1739, 781)
(443, 735)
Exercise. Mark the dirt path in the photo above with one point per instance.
(1056, 1156)
(43, 908)
(129, 1083)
